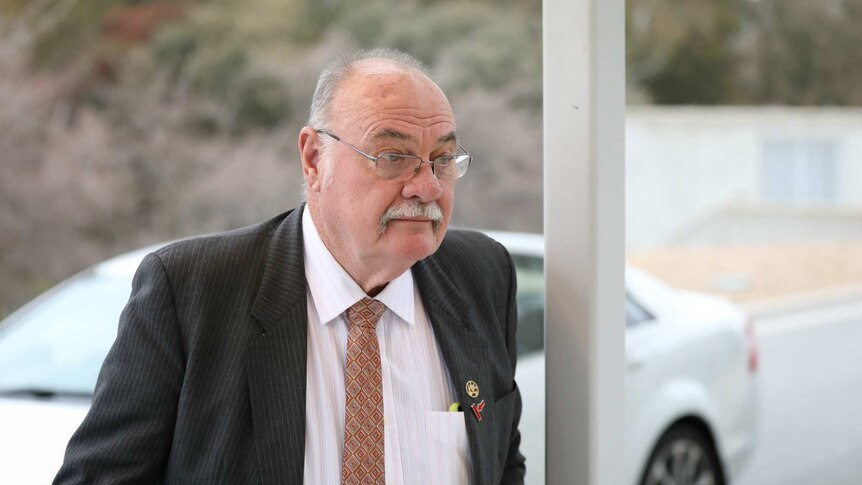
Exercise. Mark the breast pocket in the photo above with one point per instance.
(448, 450)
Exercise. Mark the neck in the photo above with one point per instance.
(371, 274)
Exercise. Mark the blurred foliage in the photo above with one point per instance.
(700, 71)
(380, 23)
(678, 52)
(683, 52)
(172, 48)
(793, 52)
(809, 53)
(475, 45)
(66, 29)
(217, 70)
(128, 122)
(260, 102)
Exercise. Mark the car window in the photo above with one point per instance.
(58, 345)
(635, 313)
(531, 303)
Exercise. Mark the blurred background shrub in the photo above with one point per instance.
(128, 122)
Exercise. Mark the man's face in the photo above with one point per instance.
(380, 109)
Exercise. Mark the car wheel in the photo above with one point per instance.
(683, 456)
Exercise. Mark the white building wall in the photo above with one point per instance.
(685, 163)
(851, 166)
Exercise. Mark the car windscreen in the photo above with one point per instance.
(56, 345)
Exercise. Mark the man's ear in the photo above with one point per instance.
(309, 154)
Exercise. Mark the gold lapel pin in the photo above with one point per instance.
(472, 389)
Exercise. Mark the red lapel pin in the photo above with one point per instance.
(477, 409)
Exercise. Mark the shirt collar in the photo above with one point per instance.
(334, 291)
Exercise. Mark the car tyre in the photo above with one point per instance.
(684, 455)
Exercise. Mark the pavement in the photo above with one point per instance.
(757, 272)
(765, 308)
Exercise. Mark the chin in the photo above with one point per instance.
(415, 247)
(414, 241)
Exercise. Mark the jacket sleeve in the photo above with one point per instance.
(126, 436)
(514, 469)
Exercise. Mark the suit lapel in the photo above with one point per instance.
(276, 359)
(463, 351)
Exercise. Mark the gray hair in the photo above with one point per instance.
(340, 68)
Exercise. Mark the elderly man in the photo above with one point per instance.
(351, 340)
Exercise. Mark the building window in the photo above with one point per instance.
(799, 172)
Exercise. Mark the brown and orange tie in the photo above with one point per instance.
(363, 459)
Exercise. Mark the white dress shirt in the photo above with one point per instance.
(424, 443)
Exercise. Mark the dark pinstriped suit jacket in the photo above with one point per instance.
(205, 383)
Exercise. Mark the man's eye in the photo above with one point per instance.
(393, 157)
(443, 161)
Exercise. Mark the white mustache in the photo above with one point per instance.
(425, 210)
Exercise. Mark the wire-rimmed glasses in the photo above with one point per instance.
(399, 166)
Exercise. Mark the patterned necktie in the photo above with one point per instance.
(363, 459)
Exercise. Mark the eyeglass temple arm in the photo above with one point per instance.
(336, 138)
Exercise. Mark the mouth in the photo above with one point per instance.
(413, 219)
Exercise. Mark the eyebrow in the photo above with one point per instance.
(389, 133)
(449, 137)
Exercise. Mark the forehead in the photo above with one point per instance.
(379, 95)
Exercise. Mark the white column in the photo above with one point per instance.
(584, 124)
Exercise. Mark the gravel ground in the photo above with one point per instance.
(757, 272)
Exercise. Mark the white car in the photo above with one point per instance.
(690, 382)
(51, 351)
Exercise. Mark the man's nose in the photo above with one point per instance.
(424, 185)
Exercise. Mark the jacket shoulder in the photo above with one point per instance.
(470, 257)
(465, 244)
(220, 247)
(221, 267)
